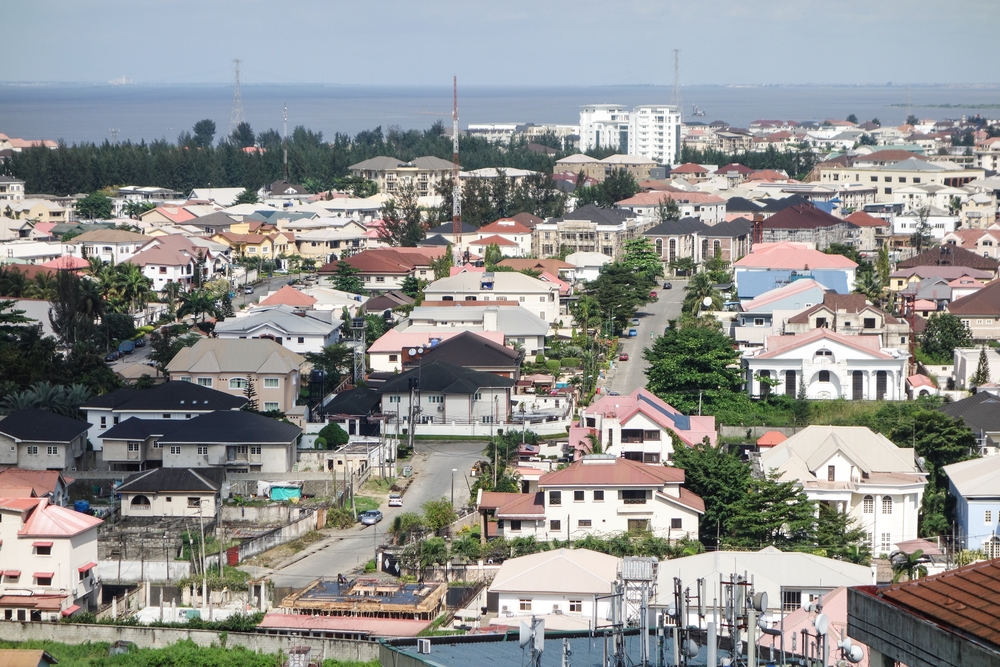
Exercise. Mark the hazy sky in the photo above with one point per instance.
(534, 42)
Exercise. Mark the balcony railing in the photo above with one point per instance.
(635, 501)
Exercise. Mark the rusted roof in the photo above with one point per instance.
(965, 600)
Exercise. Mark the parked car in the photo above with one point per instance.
(667, 286)
(395, 500)
(126, 347)
(635, 321)
(632, 333)
(652, 295)
(113, 355)
(141, 342)
(613, 393)
(623, 356)
(248, 289)
(371, 517)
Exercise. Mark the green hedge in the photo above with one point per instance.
(570, 362)
(540, 359)
(552, 365)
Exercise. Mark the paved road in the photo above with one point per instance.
(347, 549)
(627, 376)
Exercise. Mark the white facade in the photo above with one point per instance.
(604, 126)
(490, 405)
(192, 504)
(11, 189)
(937, 224)
(538, 296)
(655, 133)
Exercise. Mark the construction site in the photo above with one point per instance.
(369, 597)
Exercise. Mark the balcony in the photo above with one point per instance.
(634, 501)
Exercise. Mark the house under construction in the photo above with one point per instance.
(369, 597)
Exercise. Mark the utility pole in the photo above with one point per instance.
(456, 186)
(285, 141)
(204, 571)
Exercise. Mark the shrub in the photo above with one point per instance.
(540, 359)
(570, 362)
(552, 365)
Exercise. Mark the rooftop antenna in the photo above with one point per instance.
(237, 116)
(456, 187)
(533, 636)
(285, 142)
(114, 135)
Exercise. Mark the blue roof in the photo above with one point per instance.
(682, 422)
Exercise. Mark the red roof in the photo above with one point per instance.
(388, 260)
(53, 521)
(801, 216)
(66, 263)
(862, 219)
(612, 472)
(41, 481)
(288, 296)
(175, 214)
(776, 256)
(44, 602)
(776, 345)
(89, 566)
(689, 168)
(490, 240)
(734, 166)
(771, 438)
(504, 226)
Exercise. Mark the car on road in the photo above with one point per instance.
(613, 393)
(652, 295)
(632, 333)
(667, 286)
(370, 518)
(248, 289)
(635, 321)
(623, 356)
(395, 500)
(113, 355)
(141, 342)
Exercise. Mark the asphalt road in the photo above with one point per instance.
(348, 549)
(627, 376)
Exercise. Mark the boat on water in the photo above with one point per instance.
(121, 81)
(695, 111)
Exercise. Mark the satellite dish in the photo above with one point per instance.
(538, 634)
(524, 636)
(671, 611)
(764, 621)
(760, 601)
(822, 624)
(690, 648)
(413, 351)
(707, 301)
(856, 654)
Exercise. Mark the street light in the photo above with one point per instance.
(453, 471)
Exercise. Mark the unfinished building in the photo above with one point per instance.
(368, 597)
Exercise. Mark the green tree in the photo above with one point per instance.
(406, 525)
(95, 206)
(640, 256)
(165, 344)
(442, 265)
(250, 392)
(410, 287)
(618, 185)
(772, 513)
(838, 534)
(77, 306)
(982, 374)
(693, 360)
(248, 196)
(135, 209)
(197, 303)
(943, 333)
(719, 477)
(334, 435)
(347, 278)
(619, 292)
(12, 320)
(851, 118)
(336, 360)
(242, 136)
(912, 120)
(439, 514)
(204, 133)
(922, 232)
(699, 288)
(910, 566)
(668, 209)
(402, 218)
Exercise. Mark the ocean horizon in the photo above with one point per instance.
(83, 112)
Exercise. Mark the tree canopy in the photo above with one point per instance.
(943, 333)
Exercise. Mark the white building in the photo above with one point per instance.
(518, 325)
(858, 472)
(11, 189)
(172, 492)
(604, 126)
(388, 353)
(49, 561)
(538, 296)
(300, 331)
(939, 223)
(175, 258)
(655, 132)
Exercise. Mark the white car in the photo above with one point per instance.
(395, 500)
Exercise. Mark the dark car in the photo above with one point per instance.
(141, 342)
(667, 286)
(114, 355)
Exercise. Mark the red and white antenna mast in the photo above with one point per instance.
(456, 186)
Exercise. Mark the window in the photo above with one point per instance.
(886, 541)
(185, 378)
(175, 450)
(555, 524)
(831, 473)
(576, 605)
(44, 581)
(888, 191)
(824, 376)
(868, 505)
(584, 523)
(393, 357)
(599, 495)
(52, 450)
(820, 322)
(791, 600)
(301, 339)
(194, 501)
(524, 604)
(133, 446)
(157, 445)
(886, 505)
(238, 383)
(380, 279)
(394, 399)
(32, 450)
(202, 450)
(270, 405)
(43, 550)
(515, 525)
(204, 382)
(676, 524)
(869, 323)
(555, 497)
(255, 451)
(578, 496)
(271, 383)
(758, 321)
(166, 415)
(435, 399)
(104, 422)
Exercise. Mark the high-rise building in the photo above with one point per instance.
(604, 126)
(654, 132)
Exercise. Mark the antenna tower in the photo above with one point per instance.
(114, 135)
(285, 141)
(456, 186)
(237, 116)
(675, 98)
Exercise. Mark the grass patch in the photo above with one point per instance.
(434, 629)
(379, 485)
(454, 438)
(365, 503)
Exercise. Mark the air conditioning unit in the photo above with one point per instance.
(440, 408)
(424, 646)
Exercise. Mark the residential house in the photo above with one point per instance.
(860, 473)
(35, 439)
(598, 495)
(826, 365)
(510, 231)
(223, 197)
(805, 223)
(892, 169)
(236, 440)
(871, 232)
(640, 427)
(12, 230)
(907, 280)
(386, 301)
(603, 126)
(519, 326)
(329, 239)
(728, 240)
(473, 351)
(574, 583)
(980, 311)
(966, 362)
(299, 330)
(988, 154)
(443, 393)
(37, 210)
(446, 231)
(774, 265)
(111, 246)
(166, 215)
(231, 365)
(703, 206)
(554, 267)
(11, 189)
(538, 296)
(587, 229)
(389, 173)
(507, 248)
(766, 315)
(691, 172)
(175, 259)
(985, 242)
(284, 190)
(254, 246)
(383, 269)
(49, 561)
(975, 486)
(734, 173)
(850, 315)
(172, 492)
(170, 400)
(938, 223)
(355, 410)
(588, 264)
(50, 484)
(388, 353)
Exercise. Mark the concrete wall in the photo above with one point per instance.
(134, 571)
(755, 431)
(145, 637)
(267, 514)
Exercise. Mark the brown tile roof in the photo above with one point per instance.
(288, 296)
(986, 301)
(527, 219)
(689, 168)
(381, 260)
(801, 216)
(862, 219)
(553, 266)
(612, 473)
(966, 600)
(734, 166)
(505, 226)
(949, 255)
(776, 345)
(848, 303)
(891, 155)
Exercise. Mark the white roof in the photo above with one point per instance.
(579, 259)
(814, 445)
(221, 196)
(283, 318)
(562, 571)
(503, 281)
(512, 321)
(976, 478)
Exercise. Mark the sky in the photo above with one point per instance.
(503, 42)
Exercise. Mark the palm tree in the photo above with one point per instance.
(21, 400)
(909, 565)
(12, 282)
(869, 285)
(169, 295)
(48, 396)
(593, 444)
(197, 303)
(698, 289)
(42, 286)
(133, 286)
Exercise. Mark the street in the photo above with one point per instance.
(347, 549)
(627, 376)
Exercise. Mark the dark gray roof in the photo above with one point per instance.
(134, 428)
(445, 378)
(174, 479)
(776, 205)
(733, 229)
(446, 229)
(473, 351)
(743, 205)
(232, 427)
(38, 425)
(980, 412)
(218, 222)
(602, 216)
(675, 227)
(358, 401)
(387, 301)
(436, 240)
(170, 396)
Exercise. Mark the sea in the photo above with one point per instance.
(78, 113)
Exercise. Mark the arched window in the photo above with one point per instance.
(716, 248)
(140, 503)
(704, 249)
(672, 250)
(868, 505)
(886, 505)
(824, 376)
(659, 247)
